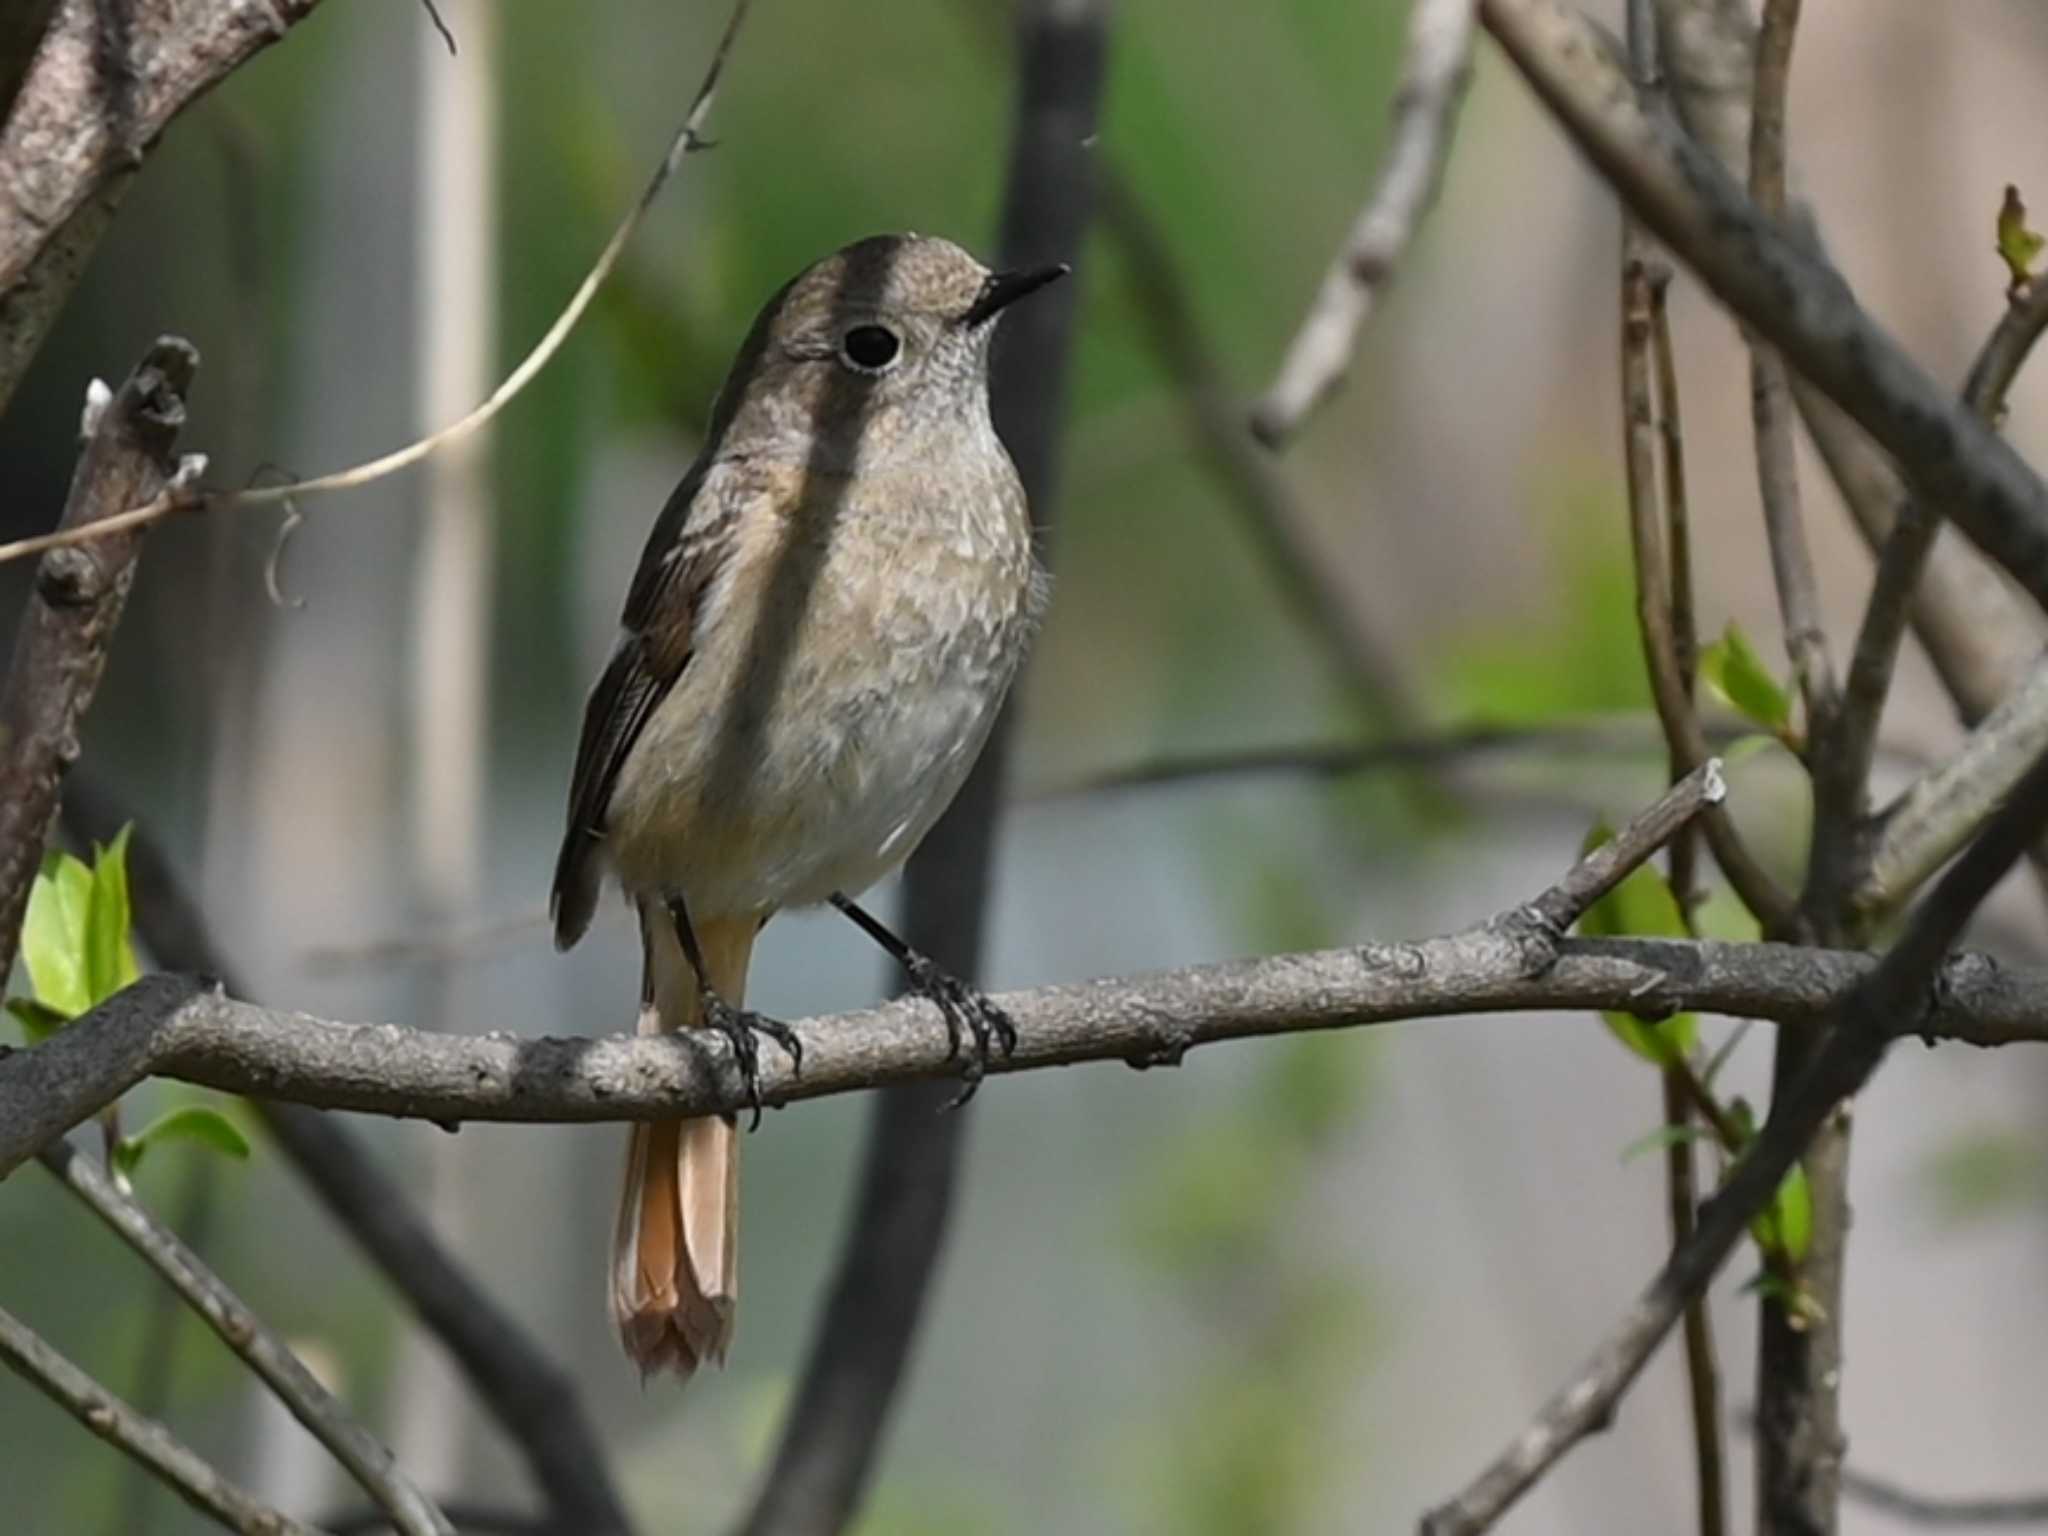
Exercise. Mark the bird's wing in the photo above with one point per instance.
(690, 542)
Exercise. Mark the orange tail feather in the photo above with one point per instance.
(675, 1255)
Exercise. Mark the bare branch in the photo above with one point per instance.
(1937, 813)
(532, 1399)
(180, 499)
(1670, 689)
(1971, 615)
(68, 621)
(1976, 631)
(1770, 396)
(22, 27)
(1779, 287)
(1707, 48)
(366, 1458)
(825, 1456)
(1316, 586)
(1702, 1373)
(1925, 1509)
(101, 91)
(1593, 736)
(173, 1027)
(1435, 71)
(1899, 996)
(167, 1458)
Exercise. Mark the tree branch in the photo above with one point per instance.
(22, 28)
(1670, 690)
(61, 647)
(1923, 1509)
(100, 92)
(1435, 71)
(1770, 395)
(1314, 584)
(1936, 814)
(533, 1400)
(1900, 995)
(365, 1458)
(188, 498)
(1780, 288)
(174, 1027)
(167, 1458)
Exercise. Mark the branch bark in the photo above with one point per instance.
(1899, 996)
(368, 1460)
(1779, 287)
(175, 1027)
(1434, 73)
(148, 1442)
(533, 1400)
(61, 648)
(105, 84)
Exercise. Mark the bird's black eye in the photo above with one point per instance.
(871, 348)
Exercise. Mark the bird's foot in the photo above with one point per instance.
(970, 1014)
(740, 1027)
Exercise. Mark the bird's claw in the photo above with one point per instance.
(740, 1027)
(969, 1014)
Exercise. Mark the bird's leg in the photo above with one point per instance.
(738, 1025)
(967, 1009)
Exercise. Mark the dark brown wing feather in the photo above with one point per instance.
(684, 551)
(659, 622)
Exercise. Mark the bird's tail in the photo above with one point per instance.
(675, 1256)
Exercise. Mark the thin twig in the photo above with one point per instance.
(148, 1442)
(1770, 395)
(532, 1399)
(1936, 814)
(365, 1458)
(70, 618)
(1980, 634)
(1895, 998)
(688, 139)
(1592, 737)
(1799, 1355)
(1435, 70)
(1779, 286)
(1317, 587)
(1680, 1087)
(1774, 909)
(1925, 1509)
(1702, 1374)
(1842, 768)
(468, 1520)
(191, 1217)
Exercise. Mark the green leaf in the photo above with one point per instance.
(53, 935)
(194, 1122)
(1641, 906)
(37, 1022)
(110, 954)
(1662, 1042)
(1663, 1136)
(2017, 244)
(1734, 672)
(1784, 1229)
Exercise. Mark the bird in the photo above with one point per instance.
(829, 612)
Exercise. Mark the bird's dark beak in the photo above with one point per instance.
(1005, 288)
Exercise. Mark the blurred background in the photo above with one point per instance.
(1300, 1285)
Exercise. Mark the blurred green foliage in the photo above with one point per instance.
(1217, 1216)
